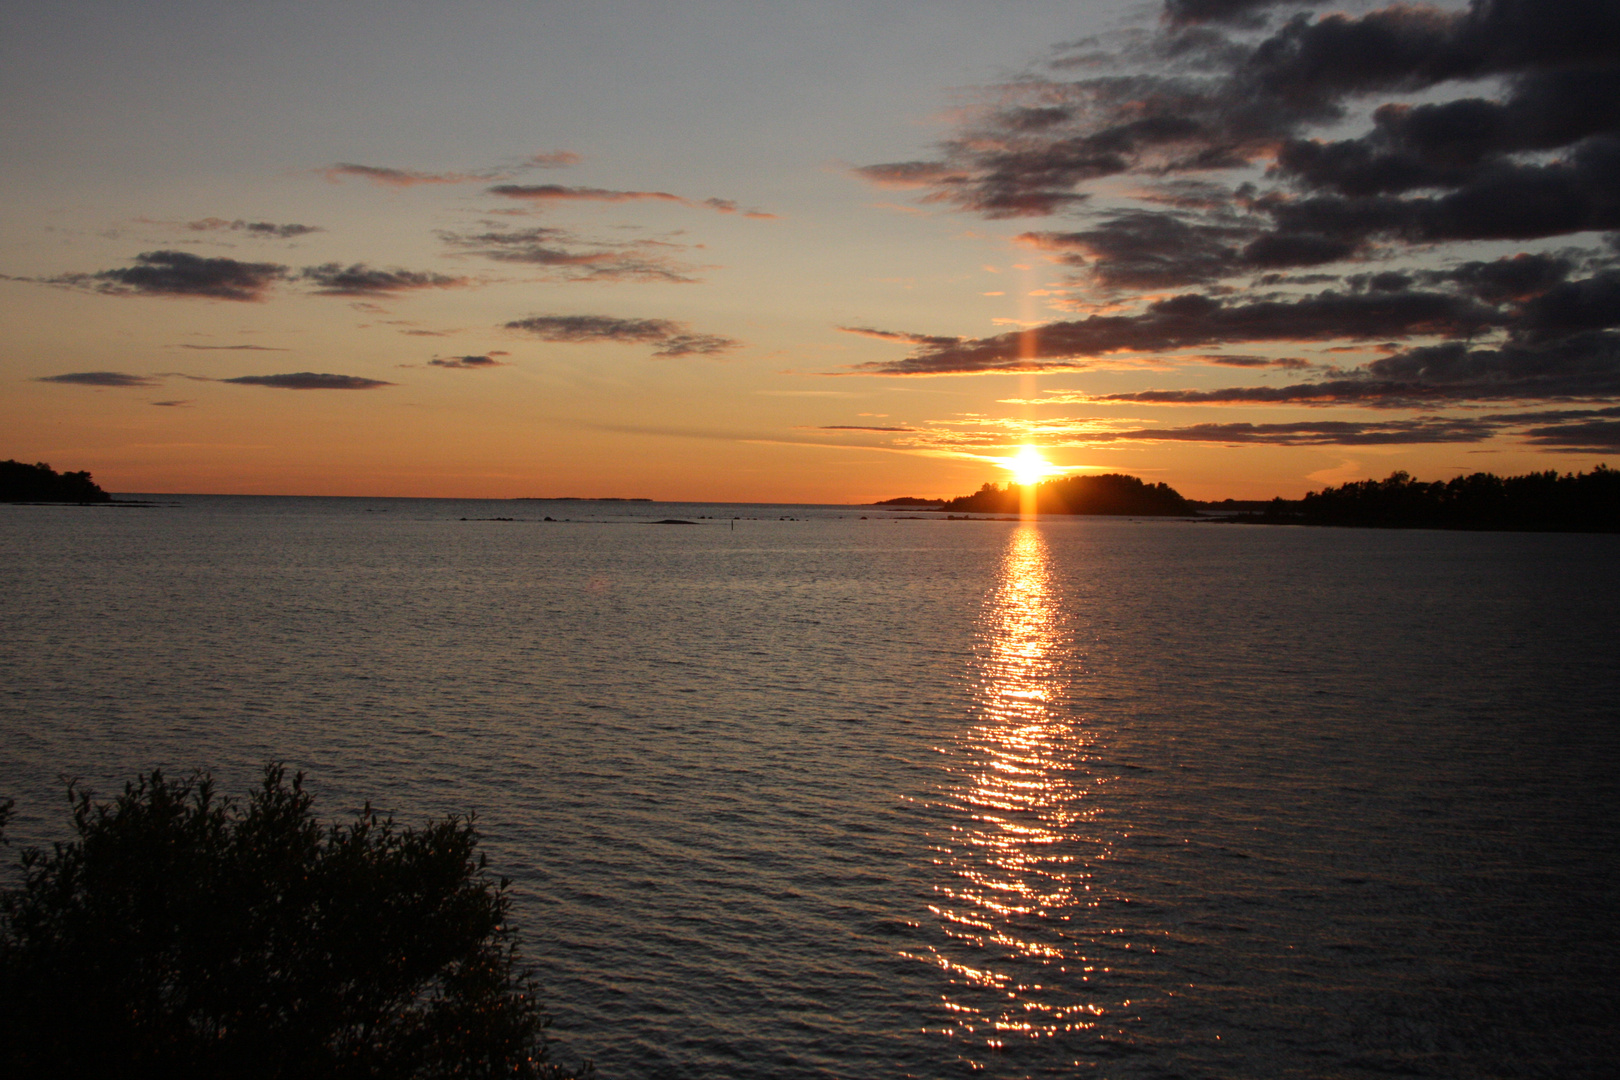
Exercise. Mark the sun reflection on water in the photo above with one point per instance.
(1021, 838)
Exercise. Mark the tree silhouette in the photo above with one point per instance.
(1542, 501)
(183, 934)
(1107, 493)
(41, 483)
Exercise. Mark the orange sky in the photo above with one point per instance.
(830, 255)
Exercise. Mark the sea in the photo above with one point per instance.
(832, 791)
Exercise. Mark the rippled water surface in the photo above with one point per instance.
(817, 794)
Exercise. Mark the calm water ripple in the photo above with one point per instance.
(819, 794)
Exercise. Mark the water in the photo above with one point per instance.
(817, 795)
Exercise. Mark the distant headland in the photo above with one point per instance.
(20, 482)
(1534, 502)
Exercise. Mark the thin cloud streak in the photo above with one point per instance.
(309, 380)
(466, 363)
(112, 379)
(395, 178)
(231, 348)
(545, 193)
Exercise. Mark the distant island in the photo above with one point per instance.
(907, 500)
(1534, 502)
(41, 483)
(1108, 493)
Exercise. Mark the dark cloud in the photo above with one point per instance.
(1571, 307)
(570, 258)
(1577, 367)
(1200, 99)
(1594, 436)
(1192, 320)
(1147, 249)
(465, 363)
(262, 229)
(309, 380)
(178, 273)
(358, 279)
(1263, 142)
(672, 339)
(99, 378)
(1518, 278)
(174, 404)
(1287, 363)
(860, 427)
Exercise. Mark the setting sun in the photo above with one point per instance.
(1028, 467)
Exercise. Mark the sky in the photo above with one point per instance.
(831, 252)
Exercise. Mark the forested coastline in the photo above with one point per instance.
(1534, 502)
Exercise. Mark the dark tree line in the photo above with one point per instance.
(1109, 493)
(184, 935)
(41, 483)
(1541, 501)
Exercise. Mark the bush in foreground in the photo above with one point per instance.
(182, 934)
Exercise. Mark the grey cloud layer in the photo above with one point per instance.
(358, 279)
(1199, 99)
(1527, 152)
(182, 274)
